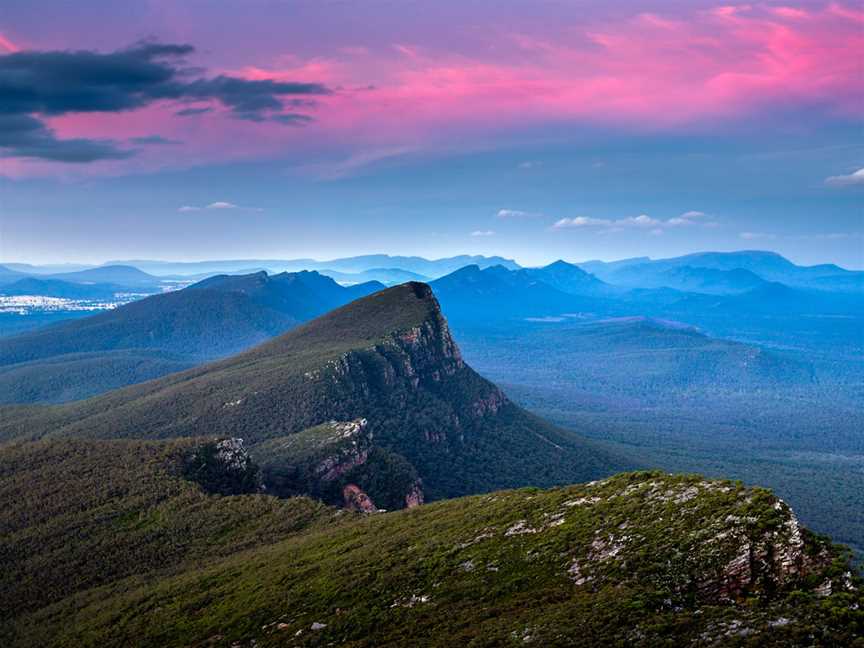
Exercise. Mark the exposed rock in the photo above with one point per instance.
(223, 467)
(414, 497)
(349, 455)
(356, 500)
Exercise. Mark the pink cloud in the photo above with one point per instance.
(8, 45)
(653, 71)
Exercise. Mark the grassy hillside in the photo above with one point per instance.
(78, 514)
(72, 376)
(641, 558)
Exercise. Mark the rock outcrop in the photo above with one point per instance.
(223, 467)
(356, 500)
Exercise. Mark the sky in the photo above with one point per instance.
(202, 129)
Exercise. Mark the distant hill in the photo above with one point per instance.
(634, 351)
(64, 289)
(682, 272)
(424, 267)
(773, 298)
(387, 276)
(572, 279)
(496, 293)
(7, 275)
(387, 358)
(687, 278)
(118, 274)
(47, 269)
(351, 265)
(216, 317)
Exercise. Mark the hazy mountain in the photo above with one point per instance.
(687, 278)
(48, 268)
(7, 275)
(572, 279)
(631, 357)
(498, 293)
(424, 267)
(773, 298)
(387, 276)
(168, 560)
(216, 317)
(123, 275)
(769, 266)
(64, 289)
(351, 265)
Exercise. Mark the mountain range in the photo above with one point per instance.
(691, 270)
(129, 277)
(350, 265)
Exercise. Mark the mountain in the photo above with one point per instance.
(387, 358)
(773, 298)
(472, 293)
(130, 543)
(351, 265)
(387, 276)
(630, 361)
(688, 278)
(47, 269)
(8, 275)
(424, 267)
(213, 318)
(62, 289)
(768, 266)
(122, 275)
(570, 278)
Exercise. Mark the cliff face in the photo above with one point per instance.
(338, 462)
(419, 367)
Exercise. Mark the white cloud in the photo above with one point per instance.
(756, 236)
(530, 164)
(855, 178)
(219, 204)
(516, 213)
(580, 221)
(642, 221)
(483, 233)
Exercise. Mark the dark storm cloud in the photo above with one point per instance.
(63, 82)
(26, 137)
(189, 112)
(153, 140)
